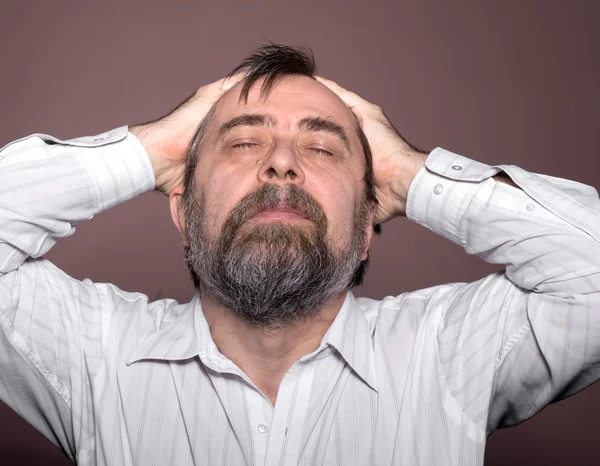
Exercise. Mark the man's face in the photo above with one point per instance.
(280, 194)
(233, 162)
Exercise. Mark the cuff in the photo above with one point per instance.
(442, 190)
(118, 163)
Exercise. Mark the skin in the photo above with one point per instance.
(233, 165)
(237, 163)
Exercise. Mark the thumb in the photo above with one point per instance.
(351, 99)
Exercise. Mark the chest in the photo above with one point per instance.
(182, 412)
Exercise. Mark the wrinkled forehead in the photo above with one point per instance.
(294, 97)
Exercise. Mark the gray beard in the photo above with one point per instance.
(272, 274)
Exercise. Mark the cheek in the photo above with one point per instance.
(220, 189)
(338, 196)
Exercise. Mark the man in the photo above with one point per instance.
(276, 181)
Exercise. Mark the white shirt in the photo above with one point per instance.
(417, 379)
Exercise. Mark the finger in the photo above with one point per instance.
(350, 98)
(358, 115)
(335, 87)
(230, 81)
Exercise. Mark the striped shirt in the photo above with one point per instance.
(417, 379)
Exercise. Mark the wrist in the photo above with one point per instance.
(395, 174)
(412, 162)
(148, 137)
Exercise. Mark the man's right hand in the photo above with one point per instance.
(166, 140)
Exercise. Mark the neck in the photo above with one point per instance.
(265, 355)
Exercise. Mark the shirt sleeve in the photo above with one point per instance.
(517, 340)
(53, 328)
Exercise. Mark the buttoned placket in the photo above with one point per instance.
(260, 413)
(276, 431)
(290, 414)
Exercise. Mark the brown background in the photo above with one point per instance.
(500, 82)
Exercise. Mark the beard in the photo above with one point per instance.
(272, 274)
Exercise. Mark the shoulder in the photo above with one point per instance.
(414, 302)
(134, 313)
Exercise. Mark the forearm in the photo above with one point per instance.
(48, 186)
(531, 332)
(545, 234)
(401, 178)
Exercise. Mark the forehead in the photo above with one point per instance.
(290, 100)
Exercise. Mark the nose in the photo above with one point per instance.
(281, 165)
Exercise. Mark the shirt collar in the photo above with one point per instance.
(351, 334)
(183, 333)
(174, 335)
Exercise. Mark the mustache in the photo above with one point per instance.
(271, 196)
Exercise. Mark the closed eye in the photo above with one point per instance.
(244, 145)
(322, 151)
(249, 145)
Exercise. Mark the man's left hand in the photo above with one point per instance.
(395, 162)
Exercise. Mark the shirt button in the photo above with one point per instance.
(456, 167)
(438, 189)
(262, 428)
(530, 206)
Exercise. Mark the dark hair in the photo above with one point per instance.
(274, 62)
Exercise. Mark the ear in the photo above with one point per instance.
(175, 196)
(369, 232)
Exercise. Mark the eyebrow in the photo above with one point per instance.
(315, 124)
(248, 119)
(326, 126)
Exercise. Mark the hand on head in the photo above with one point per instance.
(167, 140)
(395, 161)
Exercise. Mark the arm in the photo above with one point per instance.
(513, 342)
(50, 185)
(51, 326)
(54, 329)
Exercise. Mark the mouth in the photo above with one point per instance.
(281, 213)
